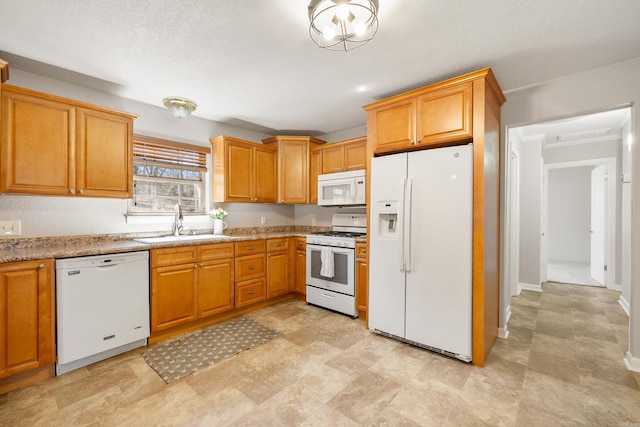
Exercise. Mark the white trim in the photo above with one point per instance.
(503, 333)
(633, 363)
(529, 287)
(624, 304)
(508, 314)
(560, 144)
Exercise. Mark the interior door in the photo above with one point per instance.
(598, 203)
(544, 219)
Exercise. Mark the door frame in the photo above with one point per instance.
(610, 210)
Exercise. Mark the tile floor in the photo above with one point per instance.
(562, 365)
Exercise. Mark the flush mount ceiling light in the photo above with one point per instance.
(179, 107)
(342, 24)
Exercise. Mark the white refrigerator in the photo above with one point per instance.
(420, 259)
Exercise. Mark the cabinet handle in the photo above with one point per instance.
(252, 291)
(72, 191)
(80, 191)
(41, 266)
(251, 248)
(251, 267)
(277, 245)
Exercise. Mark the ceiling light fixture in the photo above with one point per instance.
(179, 107)
(342, 24)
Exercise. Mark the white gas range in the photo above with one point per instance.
(331, 264)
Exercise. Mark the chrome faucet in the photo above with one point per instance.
(177, 219)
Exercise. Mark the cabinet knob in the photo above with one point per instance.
(72, 191)
(418, 141)
(41, 266)
(201, 265)
(195, 265)
(80, 191)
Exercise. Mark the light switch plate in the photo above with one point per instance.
(11, 228)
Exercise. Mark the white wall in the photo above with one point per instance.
(530, 190)
(592, 90)
(569, 214)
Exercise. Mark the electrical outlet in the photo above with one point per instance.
(263, 220)
(11, 228)
(313, 221)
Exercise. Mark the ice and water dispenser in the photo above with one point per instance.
(388, 219)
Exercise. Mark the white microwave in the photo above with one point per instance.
(342, 189)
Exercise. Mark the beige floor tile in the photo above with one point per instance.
(424, 402)
(365, 398)
(561, 398)
(610, 404)
(448, 371)
(221, 409)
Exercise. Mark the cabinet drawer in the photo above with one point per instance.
(173, 256)
(301, 243)
(361, 251)
(250, 267)
(250, 291)
(250, 247)
(277, 245)
(215, 251)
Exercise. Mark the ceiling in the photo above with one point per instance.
(251, 63)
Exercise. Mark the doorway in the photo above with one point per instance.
(584, 141)
(579, 220)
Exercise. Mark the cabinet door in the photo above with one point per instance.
(265, 174)
(277, 274)
(104, 151)
(315, 168)
(38, 138)
(292, 170)
(173, 296)
(445, 115)
(394, 126)
(333, 158)
(301, 272)
(215, 287)
(355, 155)
(26, 316)
(362, 284)
(238, 168)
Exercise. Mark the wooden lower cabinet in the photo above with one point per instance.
(27, 307)
(215, 287)
(362, 277)
(173, 295)
(277, 267)
(301, 266)
(190, 283)
(250, 270)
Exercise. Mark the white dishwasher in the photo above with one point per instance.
(102, 305)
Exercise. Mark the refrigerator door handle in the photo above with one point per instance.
(407, 228)
(401, 251)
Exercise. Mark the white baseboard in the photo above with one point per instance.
(633, 363)
(503, 333)
(529, 287)
(624, 304)
(615, 287)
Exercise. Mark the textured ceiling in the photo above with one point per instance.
(253, 64)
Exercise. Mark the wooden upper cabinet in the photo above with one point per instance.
(345, 155)
(243, 171)
(26, 316)
(56, 146)
(293, 166)
(429, 116)
(104, 160)
(315, 166)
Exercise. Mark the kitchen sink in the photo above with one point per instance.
(182, 238)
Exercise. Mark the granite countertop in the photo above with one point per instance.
(29, 249)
